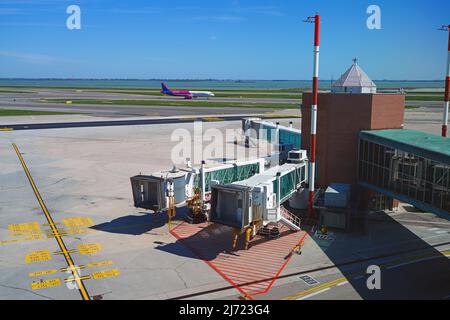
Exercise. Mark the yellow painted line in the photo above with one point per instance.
(76, 267)
(316, 289)
(42, 273)
(90, 265)
(47, 225)
(12, 241)
(345, 279)
(6, 129)
(64, 252)
(52, 235)
(51, 231)
(77, 279)
(45, 284)
(213, 119)
(38, 256)
(50, 221)
(106, 274)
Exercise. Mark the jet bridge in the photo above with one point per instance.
(259, 200)
(150, 192)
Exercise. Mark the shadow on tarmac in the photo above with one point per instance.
(410, 267)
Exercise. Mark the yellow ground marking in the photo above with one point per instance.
(90, 265)
(77, 225)
(50, 221)
(30, 229)
(12, 241)
(24, 227)
(106, 274)
(76, 267)
(47, 225)
(100, 264)
(189, 119)
(6, 129)
(53, 235)
(38, 256)
(58, 230)
(92, 248)
(213, 119)
(63, 252)
(45, 284)
(42, 273)
(315, 289)
(78, 222)
(77, 279)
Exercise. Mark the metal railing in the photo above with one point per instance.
(289, 216)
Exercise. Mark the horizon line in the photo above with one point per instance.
(206, 79)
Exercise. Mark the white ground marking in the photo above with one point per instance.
(342, 284)
(414, 261)
(313, 294)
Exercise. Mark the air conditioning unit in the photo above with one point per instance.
(297, 156)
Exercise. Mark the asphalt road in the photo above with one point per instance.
(129, 111)
(116, 123)
(29, 102)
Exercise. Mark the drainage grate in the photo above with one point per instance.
(310, 281)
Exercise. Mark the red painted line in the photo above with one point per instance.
(255, 277)
(284, 265)
(250, 261)
(214, 268)
(258, 270)
(246, 272)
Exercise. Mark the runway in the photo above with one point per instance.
(119, 123)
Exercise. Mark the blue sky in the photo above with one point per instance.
(220, 39)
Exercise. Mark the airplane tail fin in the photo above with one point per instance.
(165, 89)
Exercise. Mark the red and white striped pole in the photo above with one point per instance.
(447, 87)
(315, 97)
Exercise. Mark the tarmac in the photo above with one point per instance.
(80, 177)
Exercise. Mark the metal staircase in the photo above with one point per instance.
(290, 220)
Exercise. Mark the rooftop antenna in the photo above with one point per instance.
(447, 84)
(315, 96)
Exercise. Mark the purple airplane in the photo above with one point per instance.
(185, 93)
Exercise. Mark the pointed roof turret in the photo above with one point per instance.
(354, 80)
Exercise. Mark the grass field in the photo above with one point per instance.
(180, 103)
(13, 91)
(262, 95)
(424, 98)
(16, 112)
(292, 91)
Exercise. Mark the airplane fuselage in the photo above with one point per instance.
(187, 94)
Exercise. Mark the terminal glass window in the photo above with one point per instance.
(403, 173)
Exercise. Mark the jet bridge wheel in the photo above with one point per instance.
(270, 232)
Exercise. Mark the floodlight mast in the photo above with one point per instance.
(447, 86)
(315, 95)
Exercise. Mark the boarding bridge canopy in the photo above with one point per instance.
(408, 165)
(290, 183)
(268, 131)
(228, 175)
